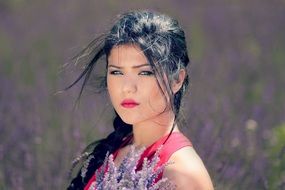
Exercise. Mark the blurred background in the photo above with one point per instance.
(234, 110)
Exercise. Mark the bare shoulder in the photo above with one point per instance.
(188, 171)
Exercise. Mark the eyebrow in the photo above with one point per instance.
(134, 67)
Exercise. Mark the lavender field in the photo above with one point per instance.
(234, 111)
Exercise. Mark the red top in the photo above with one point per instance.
(175, 142)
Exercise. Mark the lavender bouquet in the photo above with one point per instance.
(125, 177)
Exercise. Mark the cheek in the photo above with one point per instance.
(112, 90)
(157, 100)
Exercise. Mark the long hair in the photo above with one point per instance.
(163, 43)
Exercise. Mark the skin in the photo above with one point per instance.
(129, 76)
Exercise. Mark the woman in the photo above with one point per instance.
(146, 77)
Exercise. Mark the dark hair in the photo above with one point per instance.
(163, 43)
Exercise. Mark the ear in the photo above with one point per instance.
(177, 82)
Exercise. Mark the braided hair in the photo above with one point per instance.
(163, 43)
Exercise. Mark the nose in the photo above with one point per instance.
(129, 85)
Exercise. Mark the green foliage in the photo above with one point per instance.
(278, 56)
(6, 54)
(276, 153)
(197, 41)
(27, 71)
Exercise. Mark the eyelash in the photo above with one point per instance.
(147, 73)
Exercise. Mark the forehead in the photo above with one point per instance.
(127, 55)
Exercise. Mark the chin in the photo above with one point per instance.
(129, 120)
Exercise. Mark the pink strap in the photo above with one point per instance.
(175, 142)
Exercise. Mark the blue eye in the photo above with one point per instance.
(147, 73)
(115, 72)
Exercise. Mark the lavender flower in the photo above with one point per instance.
(125, 177)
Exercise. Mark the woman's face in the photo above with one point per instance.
(132, 85)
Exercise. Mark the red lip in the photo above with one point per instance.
(129, 103)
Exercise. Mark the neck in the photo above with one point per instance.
(147, 132)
